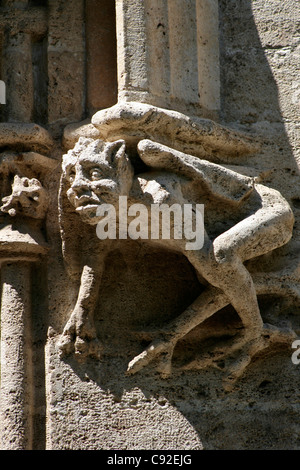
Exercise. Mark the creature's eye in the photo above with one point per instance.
(95, 174)
(71, 176)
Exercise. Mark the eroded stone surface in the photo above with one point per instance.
(25, 137)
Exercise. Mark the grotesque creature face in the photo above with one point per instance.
(97, 173)
(28, 198)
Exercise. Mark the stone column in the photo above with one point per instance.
(20, 240)
(208, 53)
(17, 253)
(20, 23)
(168, 54)
(16, 362)
(101, 60)
(66, 64)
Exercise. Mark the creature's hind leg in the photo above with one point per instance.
(221, 263)
(234, 280)
(267, 229)
(208, 303)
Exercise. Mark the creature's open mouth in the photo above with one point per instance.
(87, 207)
(85, 203)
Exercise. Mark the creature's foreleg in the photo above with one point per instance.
(79, 334)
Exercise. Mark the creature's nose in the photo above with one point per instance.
(79, 185)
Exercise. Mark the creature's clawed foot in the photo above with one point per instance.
(269, 335)
(79, 338)
(234, 357)
(160, 349)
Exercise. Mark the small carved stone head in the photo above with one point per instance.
(97, 172)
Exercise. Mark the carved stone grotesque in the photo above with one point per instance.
(28, 198)
(243, 220)
(23, 198)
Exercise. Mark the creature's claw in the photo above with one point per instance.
(236, 371)
(82, 347)
(238, 354)
(80, 338)
(66, 345)
(155, 349)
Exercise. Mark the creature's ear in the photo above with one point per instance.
(115, 152)
(121, 164)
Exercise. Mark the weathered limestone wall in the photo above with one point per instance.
(250, 85)
(260, 85)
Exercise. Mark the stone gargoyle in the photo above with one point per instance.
(28, 198)
(245, 219)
